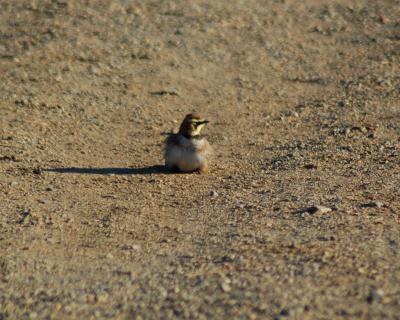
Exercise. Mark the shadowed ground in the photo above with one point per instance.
(128, 171)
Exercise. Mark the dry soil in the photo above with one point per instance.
(303, 98)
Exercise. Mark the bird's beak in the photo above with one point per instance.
(205, 121)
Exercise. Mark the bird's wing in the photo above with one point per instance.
(172, 140)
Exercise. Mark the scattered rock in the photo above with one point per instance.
(384, 19)
(141, 55)
(214, 194)
(164, 93)
(27, 219)
(226, 287)
(111, 196)
(321, 209)
(375, 295)
(91, 298)
(311, 166)
(315, 209)
(37, 171)
(135, 247)
(93, 70)
(372, 204)
(360, 129)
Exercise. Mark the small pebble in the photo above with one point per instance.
(213, 194)
(311, 166)
(377, 204)
(135, 247)
(226, 287)
(372, 204)
(384, 19)
(37, 171)
(103, 297)
(317, 209)
(323, 209)
(91, 298)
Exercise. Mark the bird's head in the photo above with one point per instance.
(192, 125)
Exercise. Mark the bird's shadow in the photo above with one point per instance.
(157, 169)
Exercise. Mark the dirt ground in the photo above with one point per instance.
(304, 103)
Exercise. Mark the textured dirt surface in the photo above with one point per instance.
(303, 99)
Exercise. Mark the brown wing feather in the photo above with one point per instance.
(171, 141)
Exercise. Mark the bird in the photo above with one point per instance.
(187, 150)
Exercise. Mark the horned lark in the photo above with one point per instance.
(188, 151)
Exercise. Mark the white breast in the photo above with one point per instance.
(186, 156)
